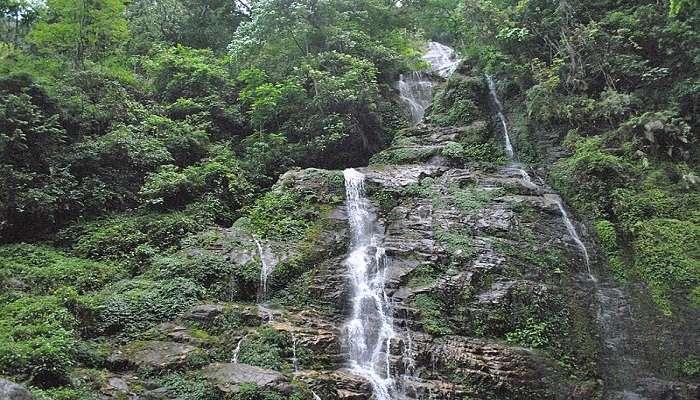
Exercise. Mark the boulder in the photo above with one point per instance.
(154, 355)
(13, 391)
(228, 377)
(204, 312)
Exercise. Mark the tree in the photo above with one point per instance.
(677, 6)
(16, 17)
(80, 29)
(193, 23)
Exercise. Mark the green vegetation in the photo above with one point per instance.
(432, 314)
(140, 143)
(629, 116)
(460, 102)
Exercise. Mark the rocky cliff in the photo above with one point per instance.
(491, 296)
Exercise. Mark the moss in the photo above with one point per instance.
(689, 367)
(423, 275)
(457, 103)
(265, 349)
(43, 269)
(188, 386)
(404, 155)
(432, 315)
(549, 262)
(311, 250)
(587, 178)
(610, 244)
(533, 334)
(668, 259)
(458, 243)
(386, 200)
(276, 216)
(63, 394)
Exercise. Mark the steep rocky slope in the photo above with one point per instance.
(491, 296)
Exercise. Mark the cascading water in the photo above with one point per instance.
(443, 59)
(570, 228)
(416, 88)
(295, 360)
(369, 331)
(572, 232)
(501, 117)
(416, 91)
(265, 272)
(234, 357)
(613, 312)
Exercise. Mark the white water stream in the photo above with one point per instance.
(295, 360)
(501, 117)
(416, 92)
(370, 329)
(416, 87)
(234, 357)
(613, 311)
(265, 271)
(443, 59)
(570, 228)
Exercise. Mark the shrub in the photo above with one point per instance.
(43, 269)
(130, 307)
(222, 278)
(189, 387)
(121, 236)
(454, 152)
(264, 349)
(667, 253)
(220, 174)
(37, 339)
(456, 103)
(275, 215)
(588, 176)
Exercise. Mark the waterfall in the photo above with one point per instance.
(572, 232)
(443, 59)
(570, 228)
(502, 118)
(416, 92)
(369, 331)
(234, 358)
(265, 272)
(416, 87)
(408, 357)
(295, 360)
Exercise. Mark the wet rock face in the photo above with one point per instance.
(478, 259)
(484, 280)
(205, 313)
(229, 377)
(13, 391)
(153, 355)
(483, 276)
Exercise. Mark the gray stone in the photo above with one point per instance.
(154, 355)
(13, 391)
(204, 312)
(229, 376)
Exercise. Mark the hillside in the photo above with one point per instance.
(349, 200)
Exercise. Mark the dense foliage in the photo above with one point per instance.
(126, 128)
(617, 83)
(129, 127)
